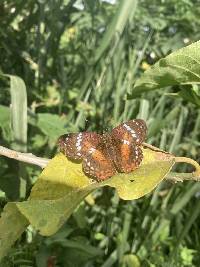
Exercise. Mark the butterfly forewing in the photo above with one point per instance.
(127, 138)
(78, 145)
(133, 131)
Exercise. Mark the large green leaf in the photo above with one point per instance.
(179, 68)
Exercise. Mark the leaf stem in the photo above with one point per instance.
(189, 161)
(187, 176)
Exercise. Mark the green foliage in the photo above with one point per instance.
(79, 60)
(179, 68)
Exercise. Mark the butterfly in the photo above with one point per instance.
(104, 155)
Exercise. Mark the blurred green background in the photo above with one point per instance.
(78, 60)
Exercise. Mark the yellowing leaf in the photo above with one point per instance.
(63, 185)
(57, 192)
(60, 177)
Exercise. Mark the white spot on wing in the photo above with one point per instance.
(128, 128)
(91, 150)
(126, 142)
(79, 140)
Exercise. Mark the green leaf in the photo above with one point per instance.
(79, 251)
(18, 111)
(12, 225)
(191, 94)
(179, 68)
(4, 116)
(19, 123)
(131, 260)
(51, 125)
(5, 122)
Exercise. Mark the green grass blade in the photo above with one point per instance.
(18, 112)
(117, 25)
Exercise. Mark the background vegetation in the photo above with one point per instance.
(78, 60)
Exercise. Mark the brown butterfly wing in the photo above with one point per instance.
(98, 163)
(134, 131)
(89, 147)
(77, 145)
(127, 138)
(129, 156)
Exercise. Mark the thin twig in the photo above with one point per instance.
(25, 157)
(154, 148)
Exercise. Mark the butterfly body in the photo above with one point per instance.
(107, 154)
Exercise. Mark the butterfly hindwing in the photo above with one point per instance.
(98, 164)
(129, 157)
(78, 145)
